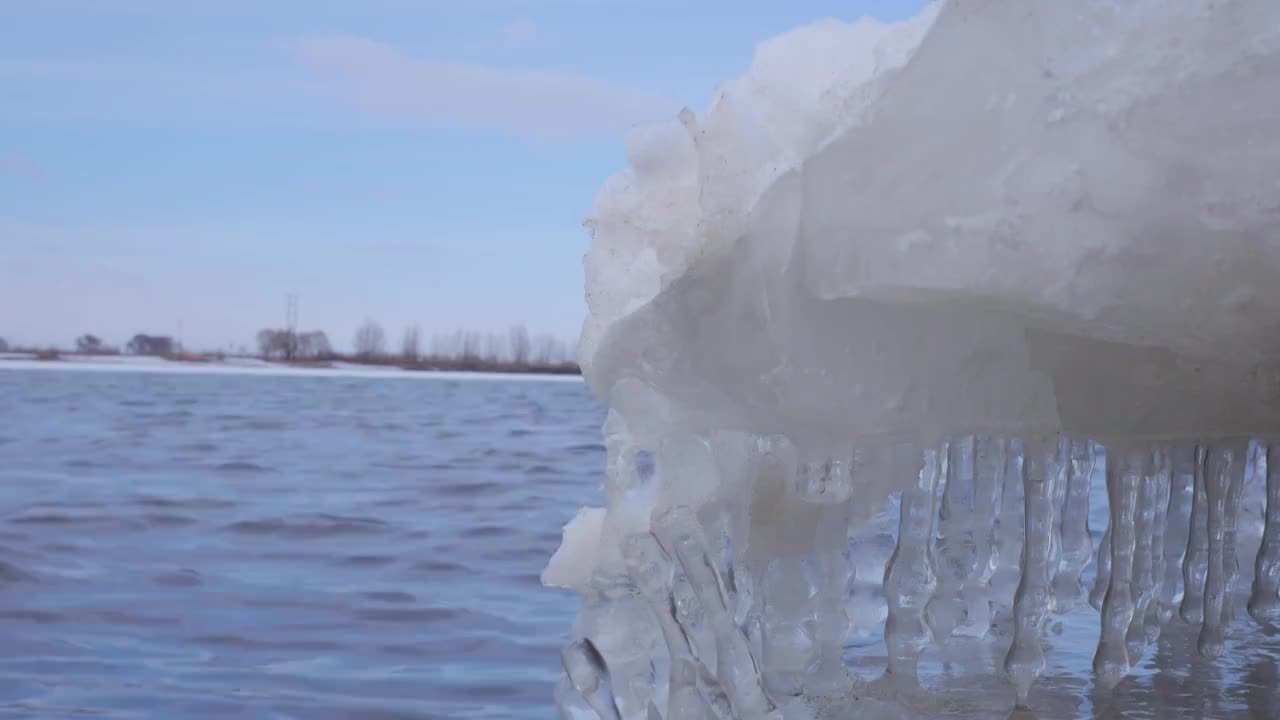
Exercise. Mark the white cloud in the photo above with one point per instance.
(537, 103)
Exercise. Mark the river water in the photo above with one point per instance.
(318, 545)
(248, 546)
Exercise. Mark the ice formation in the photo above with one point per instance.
(874, 326)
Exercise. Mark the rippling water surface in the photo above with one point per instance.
(246, 546)
(318, 546)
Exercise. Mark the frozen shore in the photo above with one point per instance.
(250, 366)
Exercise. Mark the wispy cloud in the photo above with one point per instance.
(521, 32)
(533, 103)
(20, 165)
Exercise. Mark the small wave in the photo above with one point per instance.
(390, 596)
(410, 615)
(400, 465)
(532, 555)
(310, 526)
(437, 567)
(168, 520)
(463, 488)
(49, 518)
(121, 617)
(366, 560)
(241, 642)
(151, 501)
(32, 615)
(393, 502)
(240, 466)
(134, 403)
(478, 532)
(10, 573)
(185, 577)
(85, 463)
(255, 423)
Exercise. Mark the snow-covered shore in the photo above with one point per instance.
(247, 366)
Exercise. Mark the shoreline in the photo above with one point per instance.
(256, 366)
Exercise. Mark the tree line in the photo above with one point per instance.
(90, 344)
(513, 351)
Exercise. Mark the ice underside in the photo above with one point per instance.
(881, 329)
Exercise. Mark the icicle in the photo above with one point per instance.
(1102, 578)
(1226, 461)
(1008, 532)
(1155, 613)
(590, 677)
(678, 531)
(1195, 567)
(717, 699)
(1264, 601)
(1244, 457)
(1058, 468)
(693, 620)
(831, 615)
(789, 637)
(909, 579)
(988, 482)
(1025, 661)
(1076, 543)
(1143, 582)
(1111, 661)
(955, 553)
(1177, 520)
(652, 572)
(1102, 573)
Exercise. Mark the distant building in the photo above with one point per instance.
(150, 345)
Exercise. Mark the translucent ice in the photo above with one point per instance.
(882, 316)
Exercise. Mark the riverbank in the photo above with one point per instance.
(251, 365)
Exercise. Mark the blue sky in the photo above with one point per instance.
(167, 164)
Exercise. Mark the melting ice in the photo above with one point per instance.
(935, 339)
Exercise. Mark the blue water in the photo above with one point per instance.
(241, 546)
(244, 546)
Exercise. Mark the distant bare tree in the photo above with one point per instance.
(548, 350)
(142, 344)
(519, 345)
(88, 344)
(266, 343)
(4, 346)
(494, 346)
(442, 346)
(411, 347)
(469, 348)
(370, 340)
(313, 345)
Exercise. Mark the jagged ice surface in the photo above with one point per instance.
(974, 263)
